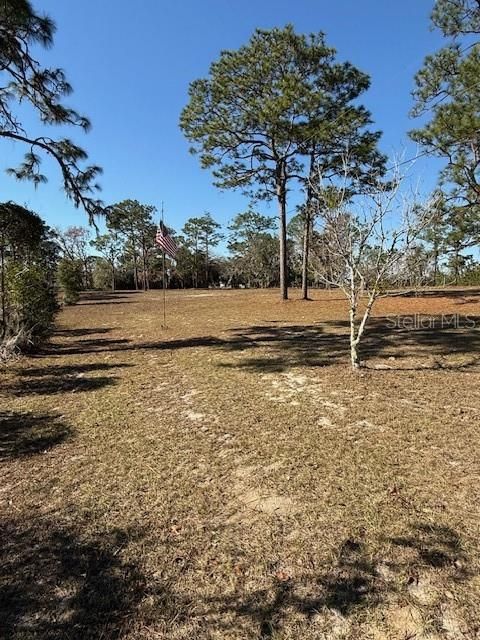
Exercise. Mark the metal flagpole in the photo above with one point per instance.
(164, 281)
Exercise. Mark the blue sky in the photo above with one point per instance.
(131, 63)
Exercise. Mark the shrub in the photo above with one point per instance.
(30, 307)
(70, 277)
(102, 274)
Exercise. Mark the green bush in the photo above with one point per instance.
(102, 275)
(70, 278)
(472, 276)
(30, 304)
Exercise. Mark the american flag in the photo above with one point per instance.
(164, 239)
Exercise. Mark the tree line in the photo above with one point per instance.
(126, 256)
(277, 115)
(41, 268)
(281, 112)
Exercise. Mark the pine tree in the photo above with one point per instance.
(110, 247)
(210, 236)
(201, 234)
(448, 91)
(43, 89)
(250, 245)
(134, 222)
(252, 119)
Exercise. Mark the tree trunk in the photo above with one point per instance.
(196, 262)
(113, 276)
(145, 270)
(135, 271)
(206, 260)
(2, 287)
(307, 232)
(435, 266)
(87, 276)
(356, 334)
(306, 251)
(354, 355)
(282, 214)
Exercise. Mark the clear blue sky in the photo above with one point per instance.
(131, 63)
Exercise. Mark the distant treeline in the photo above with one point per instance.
(127, 257)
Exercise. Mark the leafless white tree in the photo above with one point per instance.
(365, 240)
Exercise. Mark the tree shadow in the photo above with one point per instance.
(56, 583)
(434, 546)
(68, 370)
(23, 434)
(51, 385)
(84, 346)
(81, 332)
(107, 345)
(50, 380)
(326, 344)
(286, 346)
(403, 337)
(439, 293)
(96, 303)
(356, 581)
(109, 295)
(351, 584)
(277, 347)
(88, 298)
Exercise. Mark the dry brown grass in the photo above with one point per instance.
(229, 477)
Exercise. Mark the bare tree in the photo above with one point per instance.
(74, 243)
(109, 246)
(367, 238)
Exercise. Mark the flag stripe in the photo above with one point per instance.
(165, 241)
(169, 245)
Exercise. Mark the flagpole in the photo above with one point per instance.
(164, 284)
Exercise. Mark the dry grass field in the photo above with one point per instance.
(230, 477)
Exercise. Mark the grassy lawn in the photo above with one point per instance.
(230, 477)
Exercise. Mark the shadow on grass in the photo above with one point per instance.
(274, 347)
(96, 303)
(23, 434)
(328, 344)
(55, 583)
(435, 546)
(287, 346)
(350, 585)
(107, 297)
(410, 339)
(440, 293)
(295, 345)
(68, 333)
(84, 346)
(353, 583)
(69, 370)
(51, 380)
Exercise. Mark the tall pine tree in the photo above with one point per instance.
(447, 91)
(253, 118)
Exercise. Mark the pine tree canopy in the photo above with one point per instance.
(269, 102)
(448, 92)
(24, 80)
